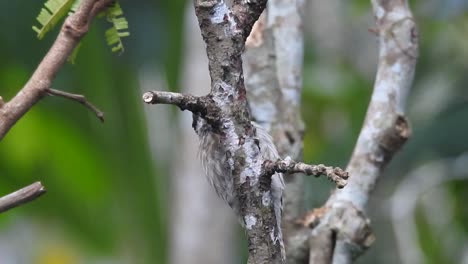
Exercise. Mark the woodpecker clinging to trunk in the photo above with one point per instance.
(219, 173)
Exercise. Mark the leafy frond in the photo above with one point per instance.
(50, 14)
(54, 10)
(119, 28)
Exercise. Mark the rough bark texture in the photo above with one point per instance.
(250, 171)
(225, 110)
(73, 29)
(200, 221)
(273, 69)
(384, 131)
(224, 30)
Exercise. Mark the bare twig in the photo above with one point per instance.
(80, 99)
(192, 103)
(384, 131)
(287, 165)
(21, 196)
(73, 29)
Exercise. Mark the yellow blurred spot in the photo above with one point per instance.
(56, 255)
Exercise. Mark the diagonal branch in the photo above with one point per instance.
(21, 196)
(384, 132)
(73, 29)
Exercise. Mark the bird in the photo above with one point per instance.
(218, 170)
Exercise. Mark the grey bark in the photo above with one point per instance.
(224, 31)
(384, 131)
(21, 196)
(274, 82)
(226, 117)
(273, 77)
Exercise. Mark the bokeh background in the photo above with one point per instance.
(123, 191)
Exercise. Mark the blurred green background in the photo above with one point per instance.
(107, 195)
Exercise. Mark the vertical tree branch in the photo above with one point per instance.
(385, 127)
(384, 131)
(224, 31)
(273, 69)
(223, 119)
(73, 29)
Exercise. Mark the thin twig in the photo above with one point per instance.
(80, 99)
(287, 165)
(21, 196)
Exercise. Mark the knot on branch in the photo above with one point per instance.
(405, 35)
(352, 227)
(349, 227)
(396, 135)
(75, 31)
(337, 175)
(353, 224)
(391, 140)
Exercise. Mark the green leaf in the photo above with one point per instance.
(119, 29)
(55, 10)
(50, 14)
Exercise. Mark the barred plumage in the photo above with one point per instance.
(218, 170)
